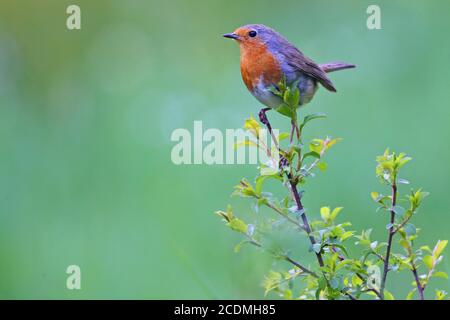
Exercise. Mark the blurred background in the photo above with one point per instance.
(86, 117)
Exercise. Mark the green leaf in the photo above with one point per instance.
(428, 261)
(399, 210)
(374, 245)
(244, 189)
(260, 181)
(321, 285)
(356, 281)
(316, 145)
(226, 215)
(312, 154)
(238, 225)
(404, 243)
(268, 171)
(284, 135)
(331, 142)
(440, 274)
(340, 247)
(253, 126)
(440, 294)
(284, 110)
(334, 283)
(245, 143)
(411, 294)
(287, 295)
(388, 295)
(402, 181)
(375, 196)
(440, 246)
(426, 248)
(239, 246)
(310, 117)
(272, 281)
(322, 166)
(335, 212)
(286, 95)
(401, 160)
(294, 98)
(347, 235)
(275, 91)
(325, 213)
(410, 229)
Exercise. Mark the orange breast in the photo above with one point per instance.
(258, 63)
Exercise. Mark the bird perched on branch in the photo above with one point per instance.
(267, 58)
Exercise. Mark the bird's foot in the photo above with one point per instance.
(283, 163)
(263, 116)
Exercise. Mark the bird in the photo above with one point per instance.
(266, 58)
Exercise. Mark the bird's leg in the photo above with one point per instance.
(265, 121)
(263, 118)
(292, 131)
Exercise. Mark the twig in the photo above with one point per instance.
(297, 198)
(341, 258)
(306, 224)
(350, 296)
(300, 266)
(294, 129)
(420, 288)
(390, 237)
(429, 275)
(402, 224)
(293, 187)
(285, 257)
(281, 213)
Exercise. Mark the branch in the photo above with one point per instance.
(295, 263)
(306, 224)
(341, 258)
(281, 213)
(401, 225)
(298, 201)
(420, 289)
(300, 266)
(293, 188)
(390, 237)
(285, 257)
(429, 275)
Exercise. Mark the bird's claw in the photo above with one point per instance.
(263, 117)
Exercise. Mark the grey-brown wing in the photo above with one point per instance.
(304, 64)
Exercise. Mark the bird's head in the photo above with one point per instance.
(252, 35)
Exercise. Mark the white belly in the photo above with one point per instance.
(263, 93)
(265, 96)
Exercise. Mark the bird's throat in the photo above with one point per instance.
(258, 65)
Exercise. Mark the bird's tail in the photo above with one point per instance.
(336, 66)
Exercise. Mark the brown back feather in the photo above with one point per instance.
(304, 64)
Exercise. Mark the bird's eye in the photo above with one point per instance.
(252, 33)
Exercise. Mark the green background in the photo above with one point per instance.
(86, 117)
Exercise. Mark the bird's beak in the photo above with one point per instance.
(231, 36)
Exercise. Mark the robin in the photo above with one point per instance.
(267, 58)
